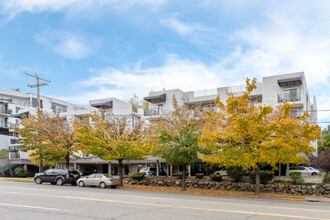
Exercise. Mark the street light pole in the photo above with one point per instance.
(38, 85)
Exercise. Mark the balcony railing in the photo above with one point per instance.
(152, 111)
(13, 148)
(13, 125)
(5, 111)
(14, 155)
(3, 125)
(284, 98)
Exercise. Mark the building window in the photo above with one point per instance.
(290, 95)
(17, 109)
(59, 108)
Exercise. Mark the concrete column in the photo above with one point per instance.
(109, 168)
(189, 170)
(75, 165)
(287, 170)
(25, 167)
(157, 168)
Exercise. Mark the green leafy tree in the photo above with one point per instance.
(112, 137)
(324, 141)
(178, 134)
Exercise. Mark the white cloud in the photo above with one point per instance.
(175, 73)
(179, 27)
(69, 45)
(195, 33)
(14, 7)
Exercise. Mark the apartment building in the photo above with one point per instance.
(14, 105)
(89, 164)
(272, 90)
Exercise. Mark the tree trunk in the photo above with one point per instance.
(41, 163)
(257, 172)
(184, 177)
(326, 176)
(67, 161)
(279, 170)
(120, 170)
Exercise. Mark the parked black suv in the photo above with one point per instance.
(58, 177)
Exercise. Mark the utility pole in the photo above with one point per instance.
(38, 85)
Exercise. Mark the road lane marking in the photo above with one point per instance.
(35, 207)
(166, 206)
(190, 200)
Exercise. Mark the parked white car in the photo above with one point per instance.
(98, 179)
(305, 171)
(222, 171)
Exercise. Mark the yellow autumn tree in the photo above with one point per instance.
(31, 139)
(240, 134)
(50, 138)
(113, 137)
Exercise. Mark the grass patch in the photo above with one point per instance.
(18, 180)
(4, 154)
(211, 192)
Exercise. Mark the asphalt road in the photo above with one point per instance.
(31, 201)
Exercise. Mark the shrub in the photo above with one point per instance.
(280, 181)
(199, 175)
(4, 154)
(265, 176)
(216, 177)
(138, 176)
(178, 175)
(297, 177)
(20, 172)
(235, 173)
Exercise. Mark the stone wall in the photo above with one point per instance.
(206, 183)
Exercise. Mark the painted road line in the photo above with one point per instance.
(190, 200)
(35, 207)
(168, 206)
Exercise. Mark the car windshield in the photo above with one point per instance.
(108, 176)
(144, 170)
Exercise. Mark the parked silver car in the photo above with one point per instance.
(98, 179)
(305, 171)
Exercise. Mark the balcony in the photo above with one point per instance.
(5, 111)
(13, 148)
(3, 124)
(283, 98)
(152, 111)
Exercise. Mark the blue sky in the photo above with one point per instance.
(113, 48)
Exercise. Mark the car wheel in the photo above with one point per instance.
(74, 183)
(103, 185)
(59, 182)
(113, 187)
(38, 180)
(81, 183)
(53, 183)
(314, 174)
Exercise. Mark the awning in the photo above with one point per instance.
(5, 100)
(289, 82)
(104, 105)
(21, 115)
(156, 98)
